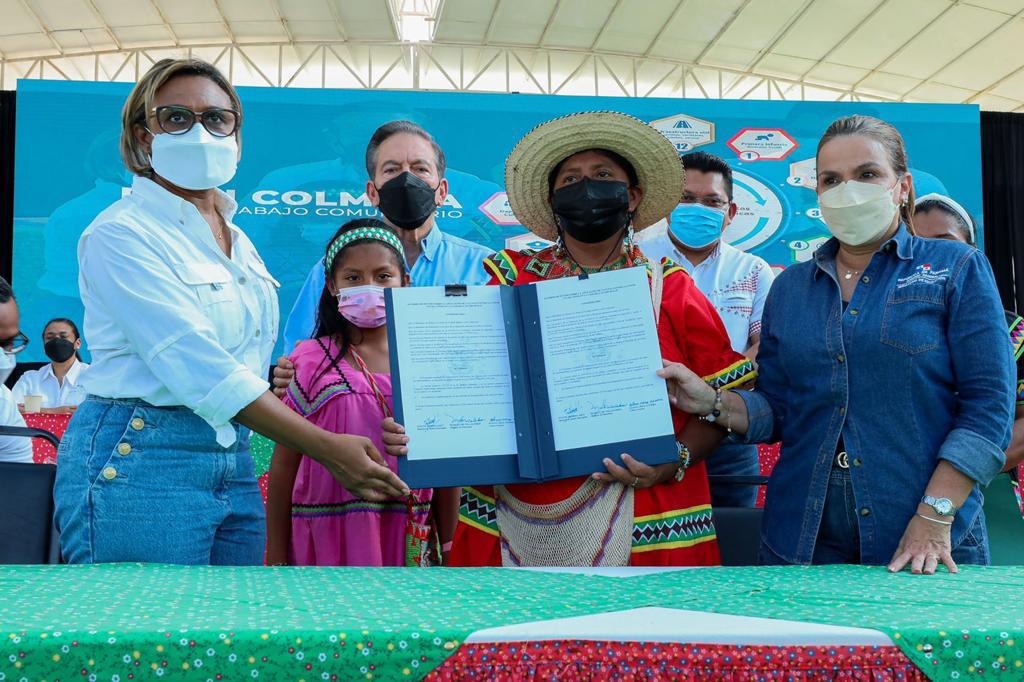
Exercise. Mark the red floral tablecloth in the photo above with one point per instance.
(592, 660)
(57, 424)
(769, 455)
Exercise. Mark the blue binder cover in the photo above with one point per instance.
(536, 458)
(458, 471)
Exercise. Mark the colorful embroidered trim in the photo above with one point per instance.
(381, 234)
(1017, 337)
(669, 267)
(674, 529)
(1020, 391)
(357, 506)
(738, 373)
(502, 267)
(307, 405)
(479, 511)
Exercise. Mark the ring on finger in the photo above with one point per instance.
(635, 481)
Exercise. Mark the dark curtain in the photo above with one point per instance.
(7, 99)
(1002, 176)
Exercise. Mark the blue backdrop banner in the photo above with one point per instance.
(302, 172)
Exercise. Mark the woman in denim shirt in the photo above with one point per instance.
(886, 373)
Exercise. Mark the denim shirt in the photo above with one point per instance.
(917, 369)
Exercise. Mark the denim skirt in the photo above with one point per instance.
(141, 483)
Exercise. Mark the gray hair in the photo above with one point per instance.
(394, 128)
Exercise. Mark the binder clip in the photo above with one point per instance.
(455, 290)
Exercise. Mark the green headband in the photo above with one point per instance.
(380, 234)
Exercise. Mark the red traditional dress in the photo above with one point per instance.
(672, 521)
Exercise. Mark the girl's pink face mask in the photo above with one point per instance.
(363, 306)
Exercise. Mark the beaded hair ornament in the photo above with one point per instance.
(381, 234)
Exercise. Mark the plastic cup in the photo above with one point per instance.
(33, 403)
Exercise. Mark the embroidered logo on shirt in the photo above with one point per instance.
(925, 274)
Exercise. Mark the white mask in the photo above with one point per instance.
(858, 213)
(7, 363)
(195, 160)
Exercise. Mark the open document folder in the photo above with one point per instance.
(500, 384)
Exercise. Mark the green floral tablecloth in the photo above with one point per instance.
(131, 622)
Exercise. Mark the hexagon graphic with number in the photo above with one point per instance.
(685, 132)
(526, 241)
(803, 174)
(497, 209)
(762, 144)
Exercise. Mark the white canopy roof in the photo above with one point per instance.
(910, 50)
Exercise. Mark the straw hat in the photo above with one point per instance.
(658, 167)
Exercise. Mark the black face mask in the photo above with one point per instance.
(591, 211)
(59, 350)
(406, 201)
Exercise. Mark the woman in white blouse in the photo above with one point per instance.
(182, 318)
(58, 382)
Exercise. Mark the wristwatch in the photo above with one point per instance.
(684, 461)
(943, 506)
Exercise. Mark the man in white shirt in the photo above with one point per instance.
(12, 448)
(735, 282)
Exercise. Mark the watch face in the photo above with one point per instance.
(943, 506)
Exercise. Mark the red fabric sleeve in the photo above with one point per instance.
(691, 332)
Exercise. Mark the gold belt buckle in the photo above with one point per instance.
(842, 460)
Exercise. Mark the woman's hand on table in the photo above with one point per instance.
(357, 465)
(687, 391)
(395, 440)
(635, 473)
(923, 546)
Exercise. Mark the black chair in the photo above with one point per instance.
(738, 528)
(27, 533)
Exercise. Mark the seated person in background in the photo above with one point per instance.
(56, 382)
(939, 217)
(12, 341)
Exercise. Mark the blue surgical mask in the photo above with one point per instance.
(697, 225)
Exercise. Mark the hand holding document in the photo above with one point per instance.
(542, 381)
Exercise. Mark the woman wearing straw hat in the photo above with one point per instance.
(587, 182)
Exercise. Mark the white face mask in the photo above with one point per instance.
(858, 212)
(7, 363)
(195, 160)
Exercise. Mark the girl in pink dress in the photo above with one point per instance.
(342, 384)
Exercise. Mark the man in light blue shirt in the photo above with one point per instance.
(407, 183)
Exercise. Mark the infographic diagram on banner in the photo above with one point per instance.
(759, 212)
(296, 185)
